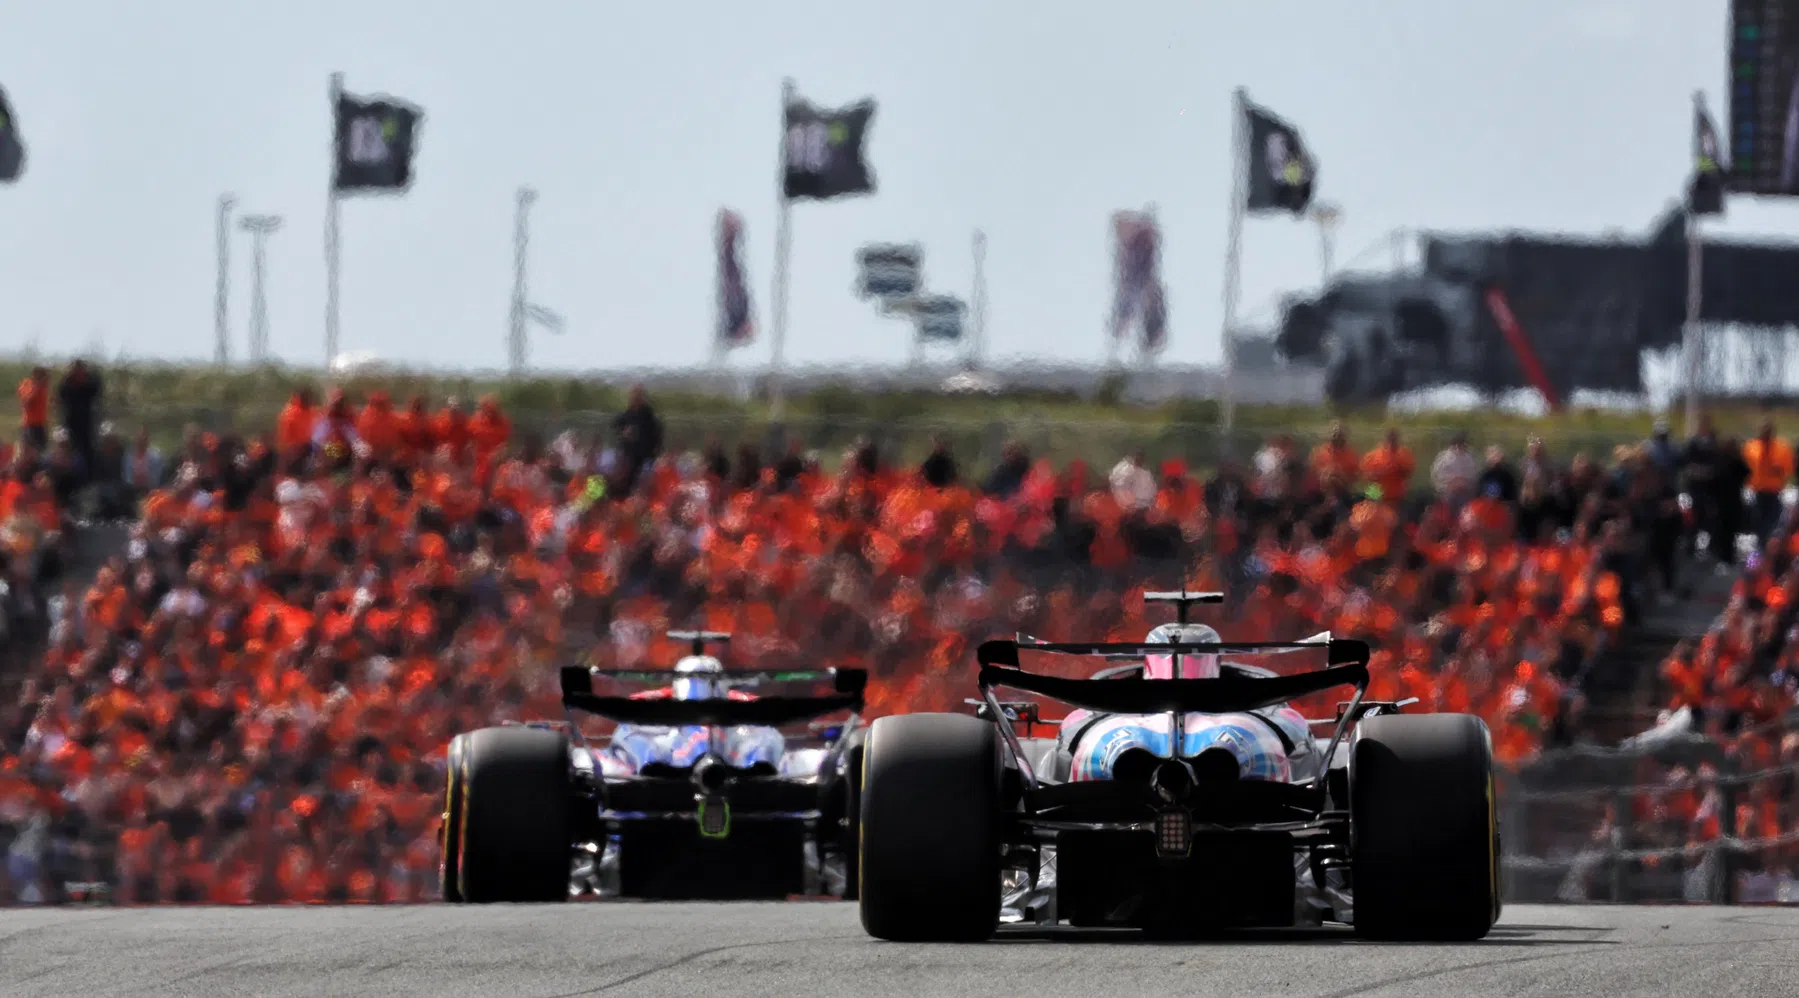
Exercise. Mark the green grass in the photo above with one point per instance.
(166, 398)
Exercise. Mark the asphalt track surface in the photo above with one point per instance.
(815, 949)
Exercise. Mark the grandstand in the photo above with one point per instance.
(249, 700)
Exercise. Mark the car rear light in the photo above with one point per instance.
(1174, 833)
(714, 817)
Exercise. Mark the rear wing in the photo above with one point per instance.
(1230, 693)
(848, 685)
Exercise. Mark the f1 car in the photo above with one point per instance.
(1183, 795)
(696, 793)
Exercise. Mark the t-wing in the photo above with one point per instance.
(769, 711)
(1229, 693)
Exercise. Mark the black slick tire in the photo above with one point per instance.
(930, 829)
(1424, 825)
(515, 826)
(851, 845)
(450, 830)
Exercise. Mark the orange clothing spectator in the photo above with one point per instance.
(1390, 466)
(417, 433)
(449, 427)
(34, 407)
(489, 429)
(294, 426)
(379, 427)
(1334, 460)
(1770, 461)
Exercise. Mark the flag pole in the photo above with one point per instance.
(720, 311)
(333, 251)
(221, 310)
(1233, 252)
(521, 241)
(978, 340)
(783, 250)
(1690, 340)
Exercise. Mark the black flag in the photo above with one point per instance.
(1705, 190)
(375, 141)
(12, 148)
(822, 157)
(1281, 169)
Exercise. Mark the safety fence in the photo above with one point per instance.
(1674, 817)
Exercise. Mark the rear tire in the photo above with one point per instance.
(1424, 825)
(449, 875)
(516, 802)
(930, 829)
(851, 845)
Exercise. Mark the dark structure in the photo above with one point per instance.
(1585, 310)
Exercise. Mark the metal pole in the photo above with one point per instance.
(720, 308)
(333, 251)
(1119, 256)
(783, 250)
(521, 237)
(977, 342)
(1327, 216)
(259, 227)
(221, 305)
(1233, 252)
(1144, 355)
(1692, 345)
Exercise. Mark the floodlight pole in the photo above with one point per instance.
(259, 227)
(221, 305)
(521, 238)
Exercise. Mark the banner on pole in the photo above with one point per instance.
(1138, 297)
(376, 141)
(889, 271)
(824, 155)
(1281, 168)
(1705, 191)
(937, 318)
(12, 147)
(735, 326)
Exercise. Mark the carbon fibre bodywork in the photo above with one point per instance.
(706, 796)
(1198, 802)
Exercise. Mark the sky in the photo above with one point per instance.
(635, 123)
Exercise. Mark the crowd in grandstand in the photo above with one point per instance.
(252, 702)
